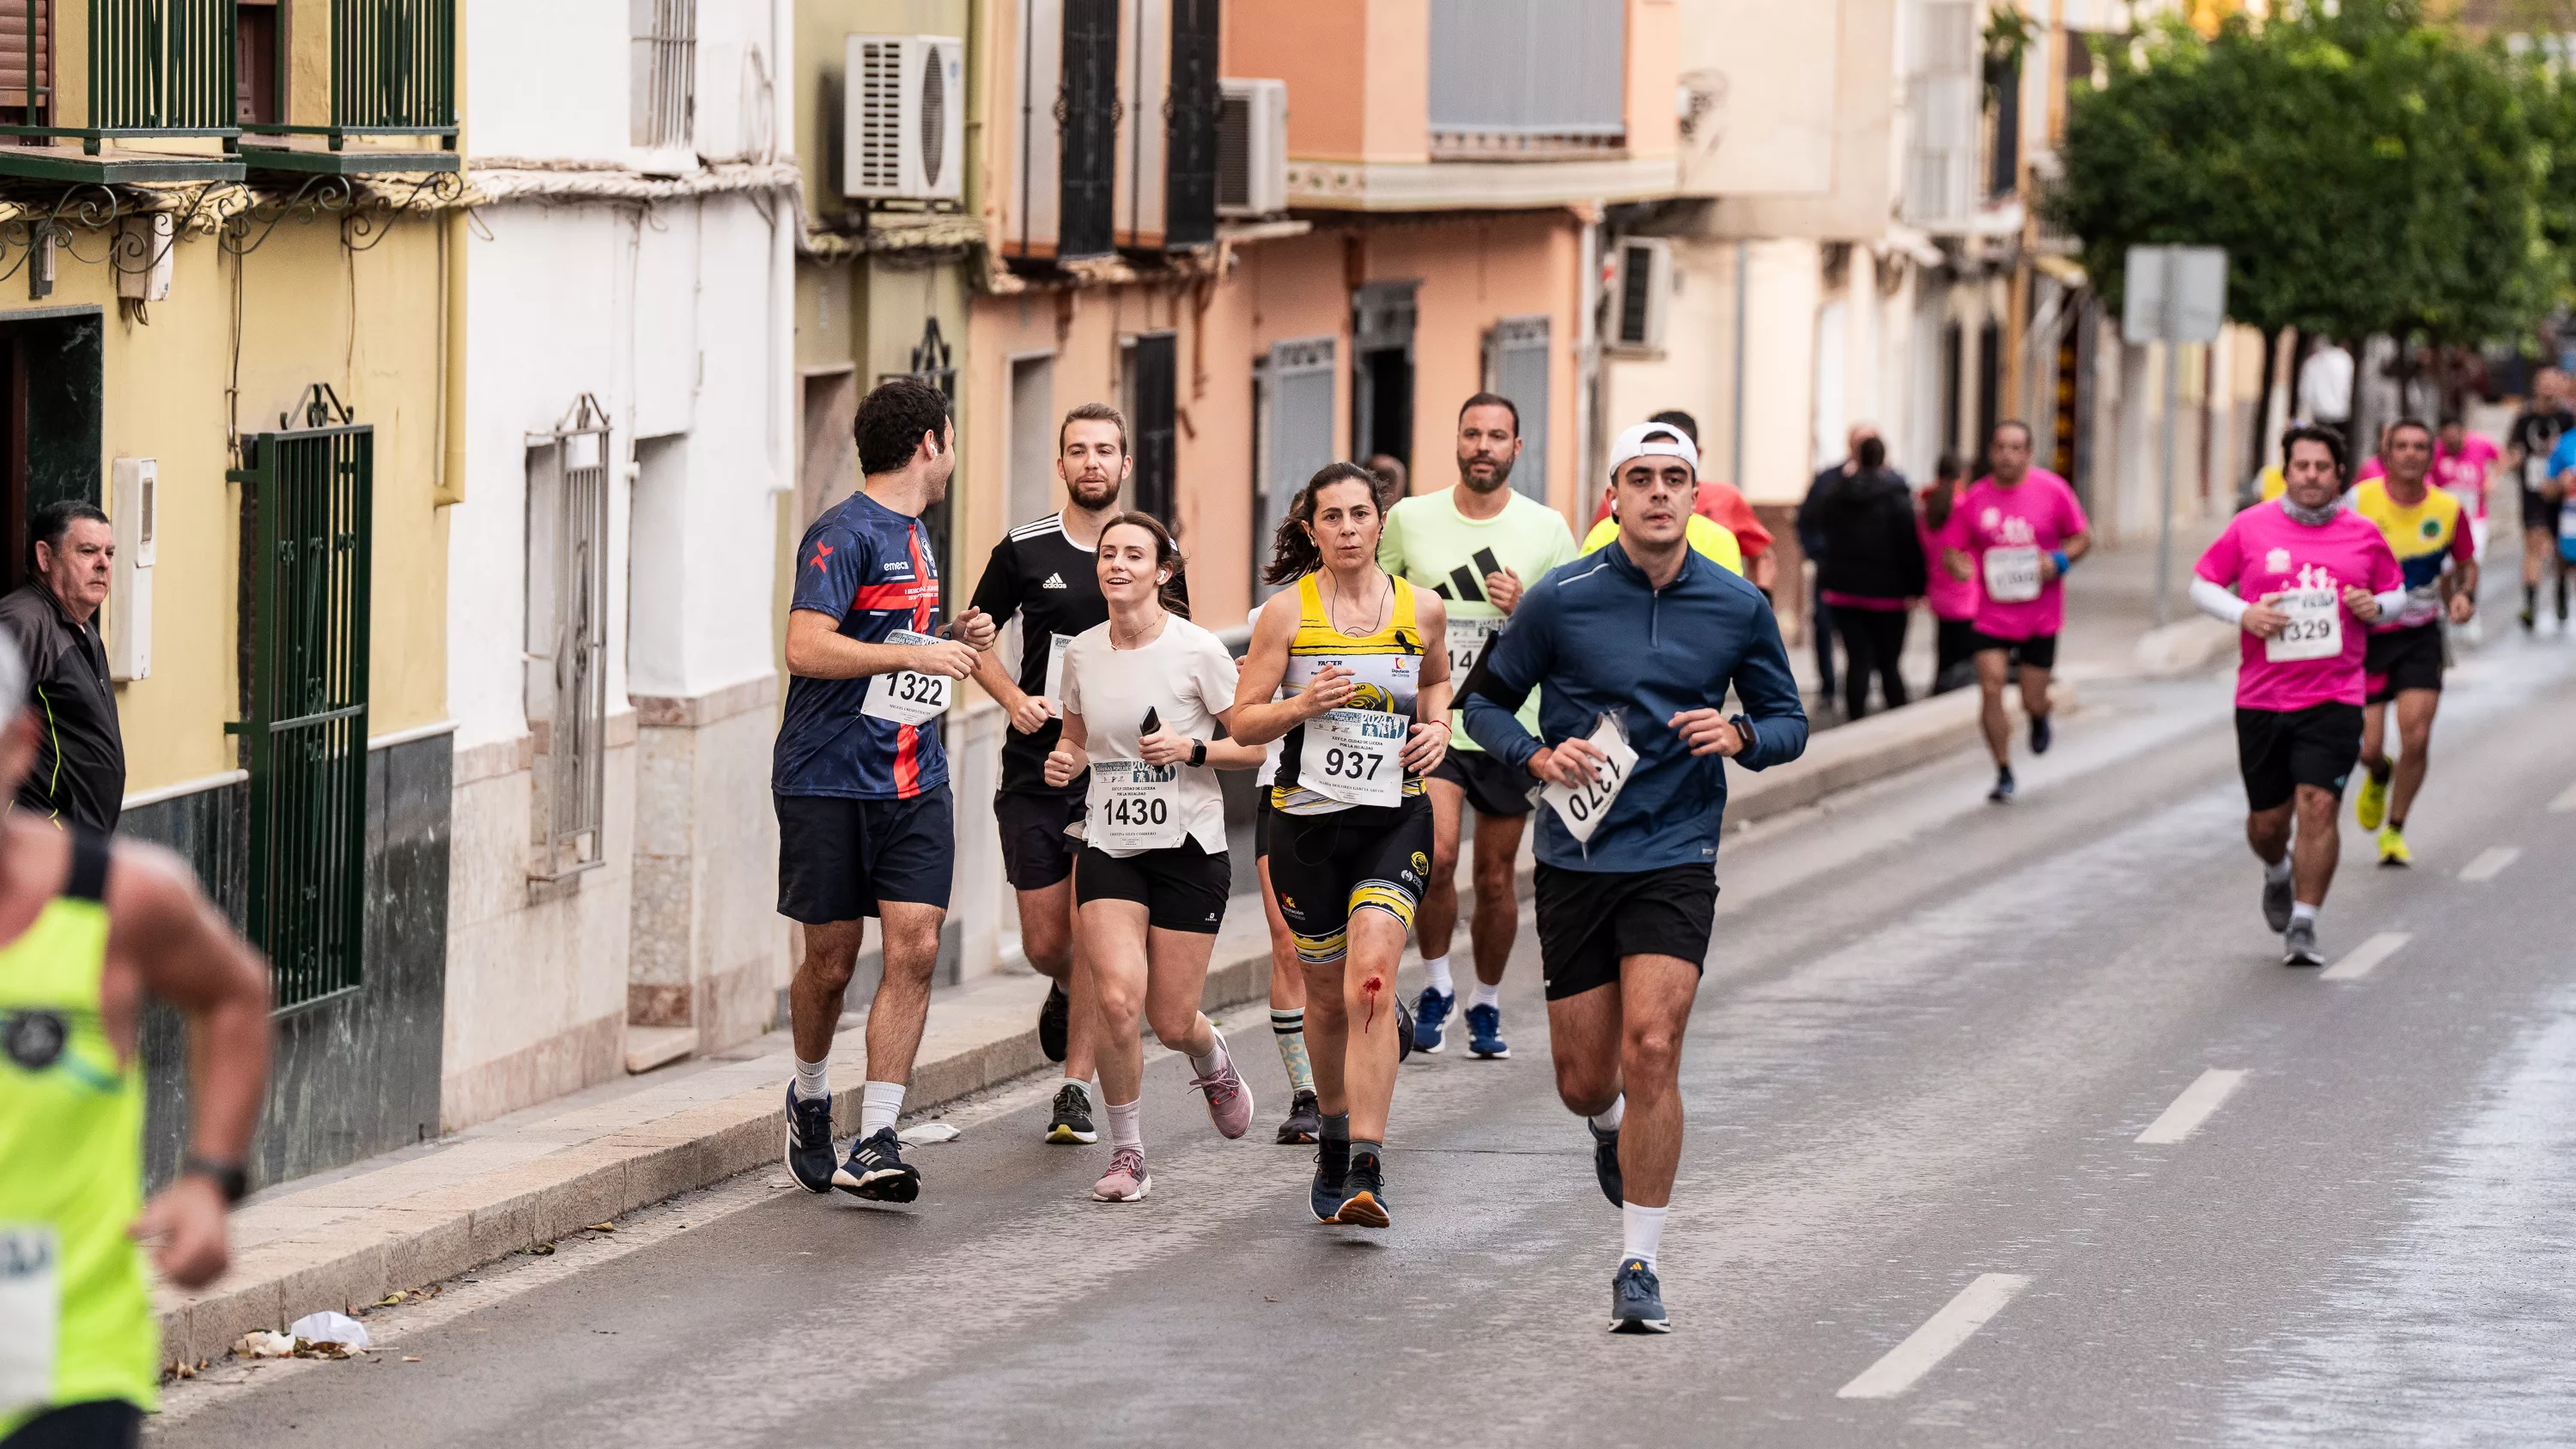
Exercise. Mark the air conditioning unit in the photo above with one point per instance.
(1640, 285)
(904, 118)
(1252, 149)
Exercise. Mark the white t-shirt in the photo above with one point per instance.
(1184, 675)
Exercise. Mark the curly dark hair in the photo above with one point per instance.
(1294, 552)
(892, 419)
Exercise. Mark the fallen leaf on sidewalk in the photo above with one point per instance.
(542, 1250)
(601, 1228)
(411, 1360)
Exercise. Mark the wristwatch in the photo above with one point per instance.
(229, 1178)
(1198, 752)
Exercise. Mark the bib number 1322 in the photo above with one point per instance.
(907, 696)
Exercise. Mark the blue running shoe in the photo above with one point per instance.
(1363, 1194)
(809, 1141)
(1637, 1300)
(876, 1170)
(1430, 1016)
(1485, 1034)
(1332, 1168)
(1605, 1165)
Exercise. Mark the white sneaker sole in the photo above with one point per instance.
(1142, 1188)
(1641, 1325)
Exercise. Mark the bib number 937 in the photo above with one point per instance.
(1354, 756)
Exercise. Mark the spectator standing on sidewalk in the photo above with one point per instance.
(79, 773)
(1953, 600)
(1871, 574)
(1811, 538)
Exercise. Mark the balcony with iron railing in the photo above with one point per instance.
(158, 100)
(393, 91)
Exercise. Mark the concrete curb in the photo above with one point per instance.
(397, 1241)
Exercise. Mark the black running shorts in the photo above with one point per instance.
(1493, 788)
(2039, 651)
(2278, 750)
(1327, 868)
(1182, 889)
(1036, 853)
(1589, 920)
(2403, 659)
(837, 858)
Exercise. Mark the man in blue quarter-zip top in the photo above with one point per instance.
(1633, 649)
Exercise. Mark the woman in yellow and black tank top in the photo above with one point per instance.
(1362, 669)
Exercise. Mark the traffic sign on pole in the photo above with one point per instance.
(2174, 295)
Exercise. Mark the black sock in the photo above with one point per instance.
(2530, 595)
(1337, 1126)
(2380, 770)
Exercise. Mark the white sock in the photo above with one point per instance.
(1215, 1060)
(1127, 1124)
(1486, 995)
(1609, 1118)
(813, 1080)
(2278, 871)
(1438, 966)
(1643, 1227)
(2302, 911)
(879, 1104)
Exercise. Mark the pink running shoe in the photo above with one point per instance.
(1229, 1100)
(1126, 1180)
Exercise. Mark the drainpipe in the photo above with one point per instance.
(1743, 298)
(451, 411)
(1587, 364)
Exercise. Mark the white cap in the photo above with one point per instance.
(1653, 440)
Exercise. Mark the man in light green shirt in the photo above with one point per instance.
(1476, 545)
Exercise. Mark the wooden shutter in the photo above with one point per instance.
(1087, 116)
(1190, 116)
(26, 41)
(1151, 397)
(1521, 359)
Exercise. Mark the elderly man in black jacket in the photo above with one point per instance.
(1872, 571)
(79, 776)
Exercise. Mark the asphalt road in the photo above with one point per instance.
(1930, 1036)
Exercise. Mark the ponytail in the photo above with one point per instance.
(1294, 552)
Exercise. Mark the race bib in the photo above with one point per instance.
(1581, 810)
(1134, 806)
(2012, 574)
(1467, 641)
(2315, 630)
(31, 1297)
(1355, 756)
(907, 696)
(1054, 690)
(2567, 522)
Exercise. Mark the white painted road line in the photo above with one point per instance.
(2366, 956)
(1937, 1339)
(2205, 1095)
(2490, 863)
(2565, 802)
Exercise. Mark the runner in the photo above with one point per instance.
(1707, 538)
(1144, 694)
(92, 929)
(2427, 532)
(2016, 532)
(2299, 577)
(1952, 600)
(2554, 532)
(2463, 465)
(1719, 503)
(1627, 874)
(1477, 545)
(1365, 717)
(1305, 1122)
(865, 823)
(1044, 575)
(2532, 452)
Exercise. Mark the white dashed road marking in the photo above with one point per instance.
(2490, 863)
(2204, 1096)
(2366, 956)
(1937, 1339)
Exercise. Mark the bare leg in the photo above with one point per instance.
(2034, 692)
(814, 997)
(1369, 1051)
(1327, 1032)
(1498, 915)
(2268, 831)
(2319, 845)
(1583, 1037)
(1115, 935)
(1991, 665)
(1051, 940)
(1435, 923)
(1656, 994)
(1287, 981)
(2374, 739)
(2415, 709)
(902, 1002)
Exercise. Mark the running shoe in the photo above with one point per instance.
(1430, 1016)
(809, 1141)
(1403, 1032)
(1485, 1034)
(1072, 1119)
(2392, 847)
(1363, 1194)
(1305, 1119)
(2299, 945)
(2277, 900)
(2003, 792)
(2042, 734)
(2370, 807)
(876, 1170)
(1052, 1016)
(1605, 1164)
(2530, 618)
(1126, 1180)
(1229, 1101)
(1332, 1169)
(1637, 1300)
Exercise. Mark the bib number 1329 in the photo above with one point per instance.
(2314, 630)
(907, 696)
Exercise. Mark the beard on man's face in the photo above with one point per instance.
(1491, 482)
(1091, 494)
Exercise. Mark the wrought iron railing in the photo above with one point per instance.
(569, 643)
(156, 68)
(665, 74)
(393, 71)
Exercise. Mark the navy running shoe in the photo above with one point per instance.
(809, 1141)
(2003, 792)
(1332, 1168)
(1637, 1300)
(1605, 1164)
(1403, 1032)
(1054, 1021)
(876, 1170)
(1485, 1034)
(2041, 734)
(1363, 1194)
(1430, 1018)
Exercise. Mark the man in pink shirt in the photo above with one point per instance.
(2016, 532)
(2302, 577)
(2463, 463)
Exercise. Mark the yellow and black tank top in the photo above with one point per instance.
(1386, 664)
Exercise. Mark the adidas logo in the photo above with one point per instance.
(1054, 581)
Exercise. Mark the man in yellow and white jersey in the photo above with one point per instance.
(2427, 531)
(88, 930)
(1476, 545)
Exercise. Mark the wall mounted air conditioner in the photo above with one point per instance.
(904, 118)
(1641, 285)
(1252, 149)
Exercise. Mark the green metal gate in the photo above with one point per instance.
(309, 505)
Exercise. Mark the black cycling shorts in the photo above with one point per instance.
(1493, 788)
(1324, 869)
(1261, 813)
(2039, 651)
(1588, 920)
(837, 858)
(1182, 889)
(2403, 659)
(2278, 750)
(1036, 853)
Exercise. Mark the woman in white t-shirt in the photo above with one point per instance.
(1143, 697)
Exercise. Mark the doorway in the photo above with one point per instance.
(52, 375)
